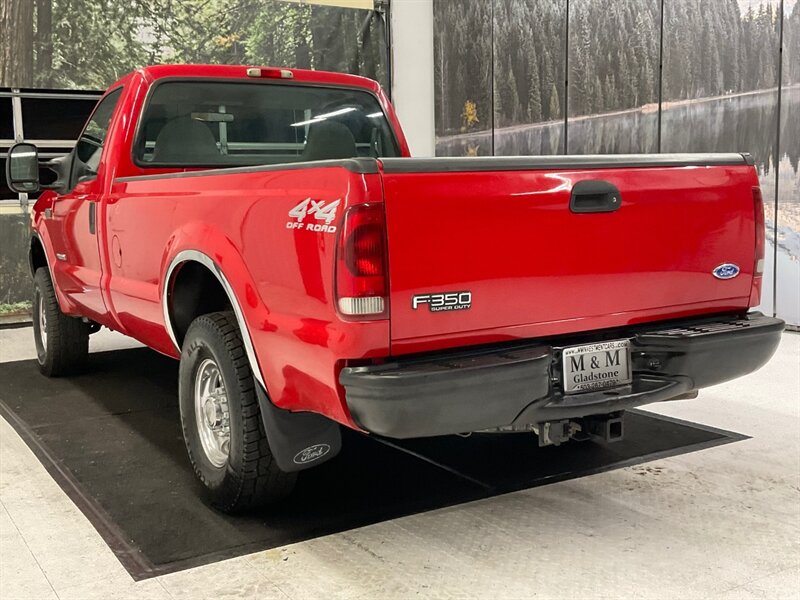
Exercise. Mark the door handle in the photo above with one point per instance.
(92, 217)
(594, 196)
(92, 200)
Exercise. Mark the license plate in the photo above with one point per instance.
(596, 366)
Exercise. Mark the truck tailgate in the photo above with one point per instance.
(507, 231)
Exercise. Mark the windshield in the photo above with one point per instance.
(191, 123)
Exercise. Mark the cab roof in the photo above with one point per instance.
(155, 72)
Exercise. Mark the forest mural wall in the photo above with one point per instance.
(88, 44)
(518, 77)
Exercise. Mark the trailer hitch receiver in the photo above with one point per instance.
(599, 428)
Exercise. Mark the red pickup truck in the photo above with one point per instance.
(269, 228)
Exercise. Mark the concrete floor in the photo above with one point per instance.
(720, 523)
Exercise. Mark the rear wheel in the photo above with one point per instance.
(221, 420)
(62, 342)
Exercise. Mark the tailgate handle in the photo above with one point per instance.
(594, 196)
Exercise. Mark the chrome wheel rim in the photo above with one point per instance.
(42, 324)
(212, 413)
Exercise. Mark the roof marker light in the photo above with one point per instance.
(274, 73)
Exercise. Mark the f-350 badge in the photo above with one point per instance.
(445, 301)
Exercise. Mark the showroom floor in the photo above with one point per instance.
(722, 522)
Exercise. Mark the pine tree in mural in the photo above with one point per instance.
(534, 91)
(16, 54)
(548, 78)
(555, 106)
(791, 53)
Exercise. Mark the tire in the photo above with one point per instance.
(241, 475)
(62, 342)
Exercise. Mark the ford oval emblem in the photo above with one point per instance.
(311, 454)
(726, 271)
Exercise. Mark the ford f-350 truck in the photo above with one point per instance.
(269, 228)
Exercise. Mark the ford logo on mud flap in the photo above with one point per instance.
(726, 271)
(311, 453)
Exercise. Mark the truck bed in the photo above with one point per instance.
(507, 234)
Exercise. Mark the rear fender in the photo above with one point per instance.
(297, 440)
(198, 242)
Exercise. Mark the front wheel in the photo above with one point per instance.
(62, 342)
(221, 420)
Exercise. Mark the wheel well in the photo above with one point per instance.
(195, 291)
(37, 257)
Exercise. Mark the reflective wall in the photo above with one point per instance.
(629, 76)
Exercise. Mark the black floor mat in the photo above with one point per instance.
(112, 440)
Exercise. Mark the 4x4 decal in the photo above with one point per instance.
(319, 210)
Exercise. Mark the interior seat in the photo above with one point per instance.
(329, 140)
(185, 140)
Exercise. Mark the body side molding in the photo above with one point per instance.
(361, 166)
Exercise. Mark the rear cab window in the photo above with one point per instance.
(227, 124)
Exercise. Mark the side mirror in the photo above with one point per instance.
(22, 168)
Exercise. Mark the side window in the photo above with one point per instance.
(90, 145)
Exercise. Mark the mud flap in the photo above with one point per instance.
(298, 441)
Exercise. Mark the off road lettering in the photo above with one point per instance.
(319, 210)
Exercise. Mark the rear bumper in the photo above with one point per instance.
(471, 390)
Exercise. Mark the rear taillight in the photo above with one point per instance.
(758, 207)
(361, 264)
(758, 267)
